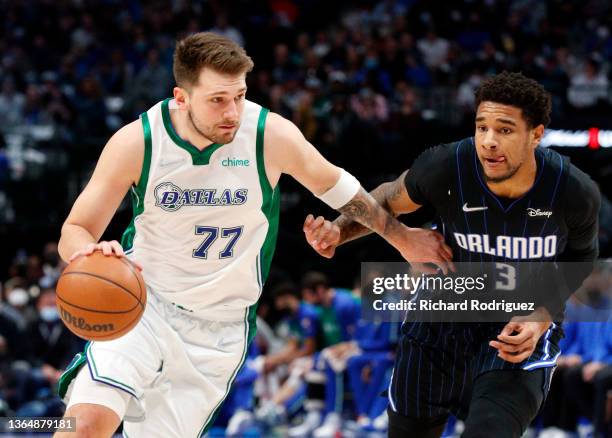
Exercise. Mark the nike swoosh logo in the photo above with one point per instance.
(223, 343)
(471, 209)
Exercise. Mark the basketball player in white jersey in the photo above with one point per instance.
(202, 169)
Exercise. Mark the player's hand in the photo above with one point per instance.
(108, 248)
(590, 369)
(519, 337)
(322, 235)
(419, 246)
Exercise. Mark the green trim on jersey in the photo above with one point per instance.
(198, 157)
(271, 200)
(71, 371)
(138, 191)
(270, 208)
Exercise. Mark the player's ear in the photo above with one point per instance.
(536, 135)
(181, 96)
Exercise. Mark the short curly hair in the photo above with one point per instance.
(519, 91)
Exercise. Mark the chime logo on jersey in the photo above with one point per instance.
(170, 197)
(510, 247)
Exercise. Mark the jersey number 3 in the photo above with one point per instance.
(211, 234)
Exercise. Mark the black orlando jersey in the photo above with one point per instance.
(554, 221)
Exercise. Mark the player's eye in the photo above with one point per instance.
(506, 131)
(481, 128)
(216, 100)
(239, 97)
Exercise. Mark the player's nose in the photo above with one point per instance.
(231, 112)
(489, 141)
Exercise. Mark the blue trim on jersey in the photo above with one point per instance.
(493, 195)
(467, 223)
(389, 396)
(543, 363)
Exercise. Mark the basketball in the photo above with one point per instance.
(100, 297)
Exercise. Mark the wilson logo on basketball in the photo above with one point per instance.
(80, 323)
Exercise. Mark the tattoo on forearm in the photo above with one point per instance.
(357, 208)
(361, 216)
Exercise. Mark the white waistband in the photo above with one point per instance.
(168, 308)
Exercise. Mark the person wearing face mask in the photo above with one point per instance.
(18, 303)
(50, 343)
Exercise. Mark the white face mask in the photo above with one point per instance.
(49, 314)
(18, 297)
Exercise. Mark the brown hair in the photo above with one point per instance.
(208, 50)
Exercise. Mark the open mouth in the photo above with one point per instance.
(495, 160)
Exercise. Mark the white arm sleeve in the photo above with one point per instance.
(342, 192)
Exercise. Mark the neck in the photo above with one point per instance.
(187, 131)
(517, 185)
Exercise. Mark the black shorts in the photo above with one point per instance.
(502, 404)
(437, 365)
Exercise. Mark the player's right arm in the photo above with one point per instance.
(413, 188)
(118, 168)
(392, 196)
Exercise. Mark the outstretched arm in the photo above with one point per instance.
(392, 196)
(287, 151)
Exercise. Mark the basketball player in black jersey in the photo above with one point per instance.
(498, 197)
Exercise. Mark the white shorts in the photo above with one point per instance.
(176, 367)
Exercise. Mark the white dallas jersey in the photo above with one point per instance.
(205, 222)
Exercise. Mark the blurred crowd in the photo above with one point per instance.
(35, 346)
(370, 82)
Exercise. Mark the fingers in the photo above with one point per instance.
(423, 268)
(309, 220)
(88, 250)
(512, 348)
(108, 248)
(311, 225)
(508, 329)
(517, 357)
(522, 336)
(322, 235)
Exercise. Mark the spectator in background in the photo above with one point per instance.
(589, 86)
(18, 301)
(89, 104)
(304, 326)
(53, 265)
(152, 83)
(339, 312)
(51, 345)
(301, 320)
(11, 104)
(48, 350)
(587, 383)
(434, 49)
(370, 107)
(223, 27)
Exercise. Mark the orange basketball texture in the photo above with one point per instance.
(100, 297)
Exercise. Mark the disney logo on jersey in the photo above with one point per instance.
(170, 197)
(535, 212)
